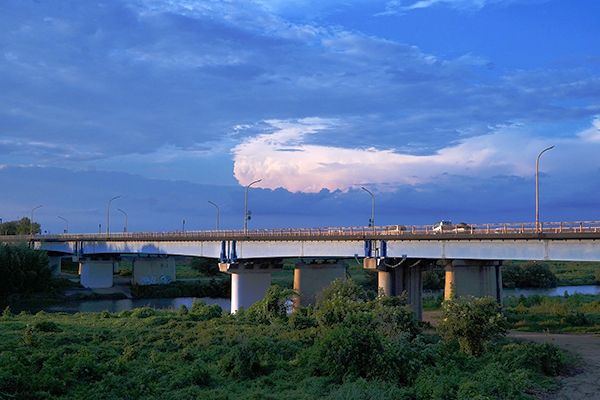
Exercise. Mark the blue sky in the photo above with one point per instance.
(438, 107)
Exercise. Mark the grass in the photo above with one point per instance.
(569, 313)
(150, 354)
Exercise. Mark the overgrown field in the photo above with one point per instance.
(568, 313)
(347, 347)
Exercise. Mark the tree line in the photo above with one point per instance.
(24, 226)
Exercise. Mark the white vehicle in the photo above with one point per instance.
(443, 226)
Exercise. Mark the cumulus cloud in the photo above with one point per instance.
(283, 158)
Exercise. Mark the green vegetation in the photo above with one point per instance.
(215, 287)
(20, 227)
(24, 271)
(576, 273)
(568, 313)
(472, 322)
(349, 346)
(529, 274)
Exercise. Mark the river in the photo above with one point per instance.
(116, 306)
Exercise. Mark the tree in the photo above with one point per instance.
(23, 270)
(206, 266)
(20, 227)
(472, 321)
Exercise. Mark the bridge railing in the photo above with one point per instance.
(408, 230)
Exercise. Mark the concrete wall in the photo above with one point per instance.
(153, 270)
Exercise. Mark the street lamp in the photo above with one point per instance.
(246, 214)
(31, 220)
(67, 222)
(124, 229)
(108, 212)
(217, 214)
(372, 220)
(537, 189)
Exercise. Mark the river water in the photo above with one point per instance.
(116, 306)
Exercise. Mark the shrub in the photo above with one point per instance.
(543, 358)
(47, 326)
(350, 352)
(472, 321)
(24, 271)
(144, 312)
(243, 361)
(205, 312)
(434, 279)
(273, 307)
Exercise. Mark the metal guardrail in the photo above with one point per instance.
(390, 230)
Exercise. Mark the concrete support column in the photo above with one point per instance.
(96, 273)
(385, 282)
(250, 280)
(310, 279)
(409, 279)
(153, 270)
(477, 278)
(55, 264)
(398, 275)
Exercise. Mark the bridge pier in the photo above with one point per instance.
(477, 278)
(96, 273)
(153, 270)
(399, 275)
(55, 265)
(250, 280)
(312, 278)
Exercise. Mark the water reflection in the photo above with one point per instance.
(116, 306)
(557, 291)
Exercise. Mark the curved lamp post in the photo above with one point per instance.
(372, 220)
(108, 212)
(67, 222)
(537, 189)
(246, 206)
(31, 220)
(124, 229)
(217, 214)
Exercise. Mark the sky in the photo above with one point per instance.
(439, 108)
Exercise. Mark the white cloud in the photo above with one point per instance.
(592, 134)
(285, 158)
(399, 7)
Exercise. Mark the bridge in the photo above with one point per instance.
(471, 254)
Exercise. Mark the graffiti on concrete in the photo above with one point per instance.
(151, 280)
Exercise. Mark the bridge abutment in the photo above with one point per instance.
(310, 279)
(250, 280)
(153, 270)
(477, 278)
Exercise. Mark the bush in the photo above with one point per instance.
(350, 352)
(274, 306)
(543, 358)
(24, 271)
(204, 312)
(243, 361)
(434, 279)
(472, 321)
